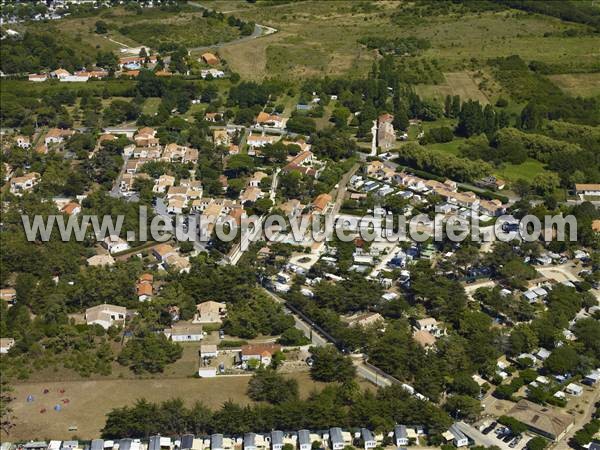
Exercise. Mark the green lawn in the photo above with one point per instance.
(526, 171)
(151, 105)
(447, 147)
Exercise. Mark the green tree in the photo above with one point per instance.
(268, 385)
(330, 365)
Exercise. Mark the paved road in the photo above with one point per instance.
(308, 331)
(259, 30)
(362, 370)
(340, 192)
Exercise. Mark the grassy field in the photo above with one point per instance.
(150, 28)
(89, 401)
(525, 171)
(447, 147)
(456, 83)
(508, 172)
(327, 34)
(578, 84)
(151, 105)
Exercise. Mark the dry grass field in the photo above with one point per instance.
(323, 36)
(578, 84)
(90, 400)
(456, 83)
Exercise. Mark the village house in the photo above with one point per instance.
(258, 140)
(144, 287)
(492, 207)
(100, 260)
(269, 120)
(250, 194)
(23, 142)
(256, 178)
(544, 420)
(213, 116)
(6, 344)
(178, 263)
(136, 62)
(180, 153)
(105, 315)
(210, 312)
(428, 324)
(374, 168)
(57, 135)
(292, 208)
(162, 251)
(114, 244)
(321, 204)
(130, 73)
(210, 58)
(60, 73)
(145, 153)
(163, 183)
(303, 163)
(128, 181)
(37, 77)
(71, 208)
(424, 338)
(146, 137)
(591, 189)
(208, 351)
(97, 74)
(214, 73)
(8, 295)
(221, 137)
(184, 332)
(386, 136)
(18, 185)
(259, 352)
(365, 319)
(75, 78)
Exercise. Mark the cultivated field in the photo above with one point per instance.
(456, 83)
(578, 84)
(89, 401)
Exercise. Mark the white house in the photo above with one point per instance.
(184, 332)
(6, 344)
(114, 244)
(428, 324)
(37, 78)
(588, 189)
(18, 185)
(105, 315)
(208, 351)
(23, 142)
(574, 389)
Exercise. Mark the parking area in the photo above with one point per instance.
(501, 436)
